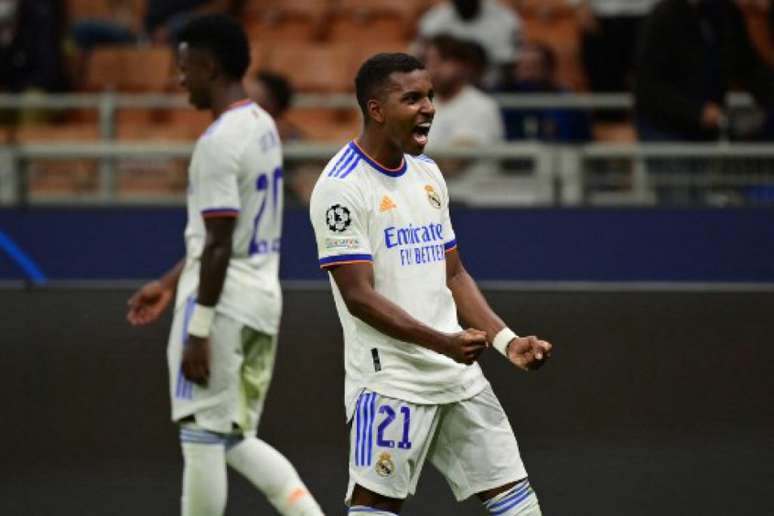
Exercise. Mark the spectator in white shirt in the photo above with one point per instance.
(464, 115)
(493, 26)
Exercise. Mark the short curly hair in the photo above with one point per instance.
(224, 37)
(375, 72)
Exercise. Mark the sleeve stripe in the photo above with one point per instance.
(345, 258)
(220, 212)
(448, 246)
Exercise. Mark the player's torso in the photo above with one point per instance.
(251, 292)
(407, 232)
(260, 181)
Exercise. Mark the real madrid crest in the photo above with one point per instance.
(433, 197)
(384, 465)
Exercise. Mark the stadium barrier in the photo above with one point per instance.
(548, 175)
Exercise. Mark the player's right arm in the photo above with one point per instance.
(356, 284)
(150, 301)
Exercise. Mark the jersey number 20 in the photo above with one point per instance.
(261, 245)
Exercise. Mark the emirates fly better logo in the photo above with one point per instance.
(338, 218)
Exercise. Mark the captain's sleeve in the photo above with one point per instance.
(215, 184)
(340, 220)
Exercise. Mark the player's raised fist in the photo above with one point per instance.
(465, 346)
(148, 303)
(529, 352)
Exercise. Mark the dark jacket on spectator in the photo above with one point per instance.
(689, 55)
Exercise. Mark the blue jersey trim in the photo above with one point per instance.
(345, 258)
(386, 171)
(450, 245)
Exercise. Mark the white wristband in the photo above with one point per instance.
(201, 321)
(502, 339)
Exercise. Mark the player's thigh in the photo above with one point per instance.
(475, 447)
(257, 353)
(389, 441)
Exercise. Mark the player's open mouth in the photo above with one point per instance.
(420, 133)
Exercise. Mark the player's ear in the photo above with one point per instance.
(375, 111)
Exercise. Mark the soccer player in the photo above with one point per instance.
(228, 300)
(413, 388)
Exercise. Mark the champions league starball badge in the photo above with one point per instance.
(338, 218)
(384, 466)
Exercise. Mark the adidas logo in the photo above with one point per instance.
(386, 204)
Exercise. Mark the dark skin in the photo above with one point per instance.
(209, 87)
(389, 132)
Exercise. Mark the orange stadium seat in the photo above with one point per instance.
(165, 125)
(54, 133)
(614, 132)
(328, 125)
(369, 20)
(276, 21)
(130, 69)
(57, 177)
(145, 178)
(313, 67)
(102, 9)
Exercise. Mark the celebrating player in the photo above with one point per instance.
(413, 388)
(223, 340)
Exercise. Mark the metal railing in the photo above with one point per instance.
(549, 175)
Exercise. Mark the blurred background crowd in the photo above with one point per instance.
(678, 59)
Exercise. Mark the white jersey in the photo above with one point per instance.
(236, 170)
(398, 220)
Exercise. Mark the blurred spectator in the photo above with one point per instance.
(30, 55)
(122, 27)
(464, 115)
(535, 72)
(493, 26)
(609, 41)
(163, 19)
(30, 46)
(274, 93)
(691, 51)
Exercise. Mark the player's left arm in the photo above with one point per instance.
(524, 352)
(214, 264)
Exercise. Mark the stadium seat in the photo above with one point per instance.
(129, 69)
(614, 132)
(313, 67)
(275, 21)
(166, 125)
(544, 8)
(51, 178)
(373, 20)
(102, 10)
(54, 133)
(151, 178)
(327, 125)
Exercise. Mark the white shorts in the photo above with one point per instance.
(241, 365)
(470, 442)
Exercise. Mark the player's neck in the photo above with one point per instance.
(225, 96)
(380, 149)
